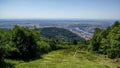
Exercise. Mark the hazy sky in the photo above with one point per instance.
(60, 9)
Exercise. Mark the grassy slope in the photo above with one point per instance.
(68, 59)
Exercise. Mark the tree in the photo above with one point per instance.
(44, 47)
(25, 40)
(53, 44)
(107, 41)
(5, 47)
(114, 42)
(95, 42)
(116, 24)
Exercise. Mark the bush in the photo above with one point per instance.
(43, 47)
(113, 54)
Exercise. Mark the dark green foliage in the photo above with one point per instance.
(22, 43)
(95, 42)
(55, 44)
(75, 42)
(25, 42)
(43, 47)
(116, 24)
(107, 41)
(113, 53)
(114, 42)
(62, 34)
(4, 43)
(6, 65)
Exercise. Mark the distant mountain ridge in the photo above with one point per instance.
(53, 20)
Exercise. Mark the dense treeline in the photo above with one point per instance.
(24, 43)
(107, 41)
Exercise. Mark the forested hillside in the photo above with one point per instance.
(60, 33)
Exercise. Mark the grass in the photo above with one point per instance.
(68, 59)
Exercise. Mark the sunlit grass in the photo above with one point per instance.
(68, 59)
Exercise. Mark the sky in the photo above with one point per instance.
(60, 9)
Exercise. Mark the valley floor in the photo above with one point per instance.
(68, 59)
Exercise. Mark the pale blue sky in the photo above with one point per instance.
(60, 9)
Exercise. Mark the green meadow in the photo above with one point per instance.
(67, 59)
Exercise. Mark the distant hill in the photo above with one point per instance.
(60, 33)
